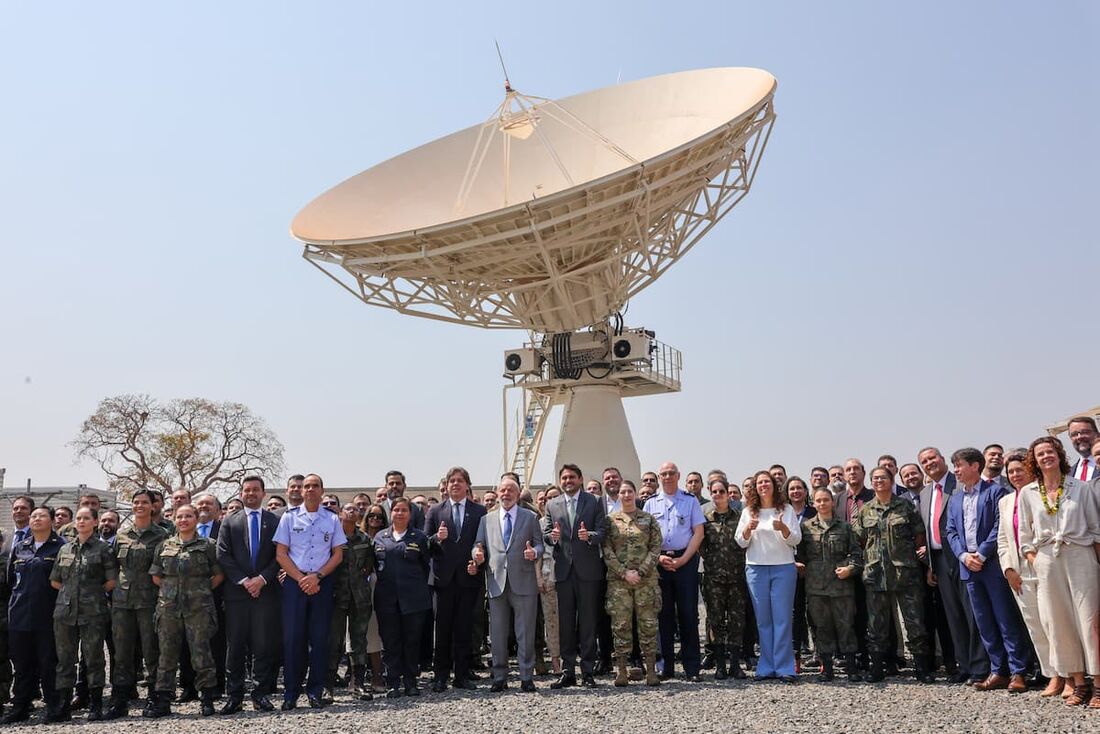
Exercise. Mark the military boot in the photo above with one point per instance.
(159, 705)
(651, 676)
(720, 672)
(206, 701)
(733, 669)
(61, 708)
(878, 668)
(80, 699)
(826, 673)
(95, 704)
(923, 667)
(120, 703)
(853, 669)
(20, 711)
(622, 678)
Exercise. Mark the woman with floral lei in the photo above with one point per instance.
(1060, 538)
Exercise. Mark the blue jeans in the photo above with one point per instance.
(772, 591)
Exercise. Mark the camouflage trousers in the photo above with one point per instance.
(350, 622)
(725, 605)
(198, 628)
(833, 621)
(133, 630)
(910, 601)
(83, 639)
(625, 603)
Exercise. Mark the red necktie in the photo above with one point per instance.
(1084, 470)
(937, 505)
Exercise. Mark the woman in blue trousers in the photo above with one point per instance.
(769, 533)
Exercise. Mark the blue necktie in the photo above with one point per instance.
(457, 519)
(203, 531)
(507, 528)
(254, 537)
(19, 535)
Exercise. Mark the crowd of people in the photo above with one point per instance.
(984, 567)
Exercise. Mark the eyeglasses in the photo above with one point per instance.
(379, 518)
(648, 480)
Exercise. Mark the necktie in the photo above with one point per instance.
(203, 531)
(457, 517)
(572, 512)
(937, 506)
(254, 537)
(507, 528)
(1084, 469)
(19, 535)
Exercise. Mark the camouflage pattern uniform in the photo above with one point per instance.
(80, 614)
(724, 589)
(185, 606)
(892, 573)
(632, 543)
(351, 603)
(831, 601)
(69, 534)
(132, 604)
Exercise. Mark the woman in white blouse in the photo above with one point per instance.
(769, 532)
(1059, 525)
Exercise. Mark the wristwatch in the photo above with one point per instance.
(319, 575)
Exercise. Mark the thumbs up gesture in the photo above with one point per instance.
(479, 554)
(582, 533)
(555, 534)
(442, 533)
(529, 552)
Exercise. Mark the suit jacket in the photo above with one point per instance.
(840, 502)
(507, 566)
(988, 522)
(1008, 555)
(571, 554)
(402, 572)
(450, 556)
(926, 512)
(236, 560)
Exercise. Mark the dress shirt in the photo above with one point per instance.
(399, 536)
(970, 520)
(678, 515)
(461, 505)
(204, 529)
(933, 524)
(310, 537)
(507, 513)
(1090, 468)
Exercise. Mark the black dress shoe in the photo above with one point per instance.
(472, 673)
(394, 693)
(527, 686)
(315, 702)
(565, 681)
(587, 680)
(289, 705)
(411, 689)
(788, 679)
(439, 685)
(262, 703)
(696, 678)
(465, 685)
(498, 686)
(232, 706)
(603, 667)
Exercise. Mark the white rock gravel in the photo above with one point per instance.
(900, 705)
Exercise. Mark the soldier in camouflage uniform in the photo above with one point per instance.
(132, 606)
(85, 572)
(352, 604)
(724, 590)
(890, 530)
(630, 550)
(186, 569)
(832, 558)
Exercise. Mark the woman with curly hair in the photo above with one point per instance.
(769, 532)
(1059, 519)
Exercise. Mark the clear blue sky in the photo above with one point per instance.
(917, 263)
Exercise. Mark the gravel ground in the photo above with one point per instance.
(900, 705)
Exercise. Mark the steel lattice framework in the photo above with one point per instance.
(567, 260)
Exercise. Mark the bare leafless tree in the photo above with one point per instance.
(197, 444)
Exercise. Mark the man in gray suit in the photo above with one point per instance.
(510, 541)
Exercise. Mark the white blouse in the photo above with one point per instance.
(766, 546)
(1077, 521)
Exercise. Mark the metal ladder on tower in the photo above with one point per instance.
(529, 433)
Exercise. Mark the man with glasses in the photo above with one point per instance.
(681, 521)
(331, 503)
(1082, 434)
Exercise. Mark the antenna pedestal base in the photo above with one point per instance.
(595, 433)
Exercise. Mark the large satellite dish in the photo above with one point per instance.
(548, 217)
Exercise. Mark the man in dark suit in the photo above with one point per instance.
(452, 529)
(848, 502)
(574, 527)
(973, 520)
(253, 616)
(509, 542)
(952, 608)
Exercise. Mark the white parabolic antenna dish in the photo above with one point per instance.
(552, 214)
